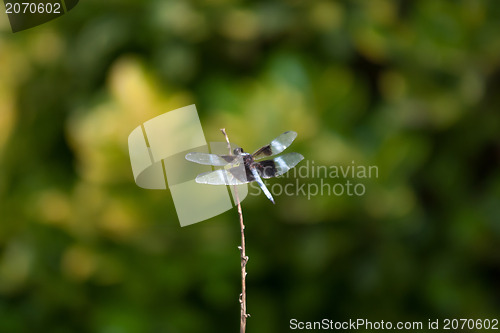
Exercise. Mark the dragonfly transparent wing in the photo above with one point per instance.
(276, 146)
(210, 159)
(278, 165)
(224, 177)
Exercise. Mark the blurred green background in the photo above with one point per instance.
(412, 87)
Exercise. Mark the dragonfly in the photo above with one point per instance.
(241, 167)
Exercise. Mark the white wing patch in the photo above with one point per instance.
(286, 162)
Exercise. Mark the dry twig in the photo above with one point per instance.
(244, 258)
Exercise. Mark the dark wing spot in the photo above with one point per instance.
(266, 169)
(264, 151)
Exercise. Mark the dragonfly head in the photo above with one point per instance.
(238, 151)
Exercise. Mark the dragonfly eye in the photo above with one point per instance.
(238, 151)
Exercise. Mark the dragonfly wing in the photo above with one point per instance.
(210, 159)
(278, 165)
(221, 177)
(276, 146)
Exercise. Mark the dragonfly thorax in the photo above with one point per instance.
(247, 158)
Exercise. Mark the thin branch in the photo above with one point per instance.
(244, 259)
